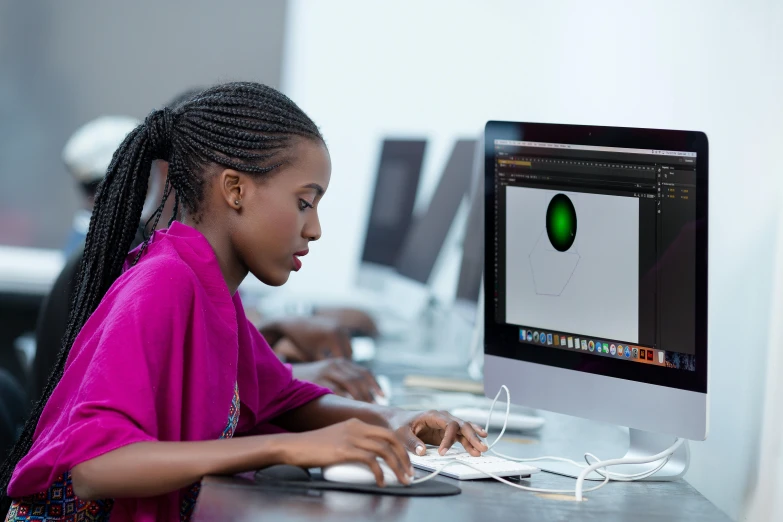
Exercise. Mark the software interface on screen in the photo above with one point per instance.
(595, 249)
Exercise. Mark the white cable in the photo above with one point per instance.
(446, 464)
(612, 475)
(623, 477)
(620, 477)
(665, 454)
(536, 459)
(598, 466)
(505, 421)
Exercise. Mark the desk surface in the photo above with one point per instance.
(237, 498)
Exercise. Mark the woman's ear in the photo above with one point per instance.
(232, 188)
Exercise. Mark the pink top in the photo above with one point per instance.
(158, 360)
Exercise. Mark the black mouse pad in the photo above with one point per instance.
(270, 478)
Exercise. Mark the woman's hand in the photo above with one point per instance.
(356, 321)
(415, 430)
(349, 441)
(307, 339)
(342, 376)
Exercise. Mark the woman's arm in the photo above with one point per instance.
(413, 429)
(331, 409)
(333, 429)
(146, 469)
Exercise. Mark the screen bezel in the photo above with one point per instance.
(502, 340)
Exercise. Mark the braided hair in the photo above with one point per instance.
(243, 126)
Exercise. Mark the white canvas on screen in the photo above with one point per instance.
(592, 288)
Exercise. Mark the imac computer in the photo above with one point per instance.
(391, 214)
(595, 289)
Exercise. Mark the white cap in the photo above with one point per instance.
(88, 152)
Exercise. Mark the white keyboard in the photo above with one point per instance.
(501, 467)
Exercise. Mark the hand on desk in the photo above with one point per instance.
(417, 429)
(343, 377)
(307, 339)
(359, 323)
(358, 441)
(350, 441)
(321, 347)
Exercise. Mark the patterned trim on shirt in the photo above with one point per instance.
(58, 503)
(191, 495)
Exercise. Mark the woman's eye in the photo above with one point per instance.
(304, 204)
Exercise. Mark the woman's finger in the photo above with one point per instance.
(368, 458)
(344, 339)
(370, 381)
(449, 437)
(479, 429)
(472, 440)
(411, 442)
(467, 445)
(384, 434)
(385, 451)
(352, 382)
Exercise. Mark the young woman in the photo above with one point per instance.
(159, 361)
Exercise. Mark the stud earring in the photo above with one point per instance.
(236, 202)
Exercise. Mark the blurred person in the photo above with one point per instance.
(159, 359)
(87, 155)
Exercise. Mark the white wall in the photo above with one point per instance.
(365, 70)
(767, 501)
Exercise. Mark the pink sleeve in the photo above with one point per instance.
(267, 387)
(124, 369)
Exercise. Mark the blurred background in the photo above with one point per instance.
(368, 71)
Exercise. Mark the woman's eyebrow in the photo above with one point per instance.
(319, 190)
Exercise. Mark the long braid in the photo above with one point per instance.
(244, 126)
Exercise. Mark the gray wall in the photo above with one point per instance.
(64, 63)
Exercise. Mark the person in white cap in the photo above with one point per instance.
(87, 155)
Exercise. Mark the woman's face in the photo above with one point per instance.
(277, 217)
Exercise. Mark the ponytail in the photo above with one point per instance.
(113, 226)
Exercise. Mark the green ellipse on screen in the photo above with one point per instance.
(561, 222)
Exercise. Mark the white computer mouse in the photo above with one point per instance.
(357, 473)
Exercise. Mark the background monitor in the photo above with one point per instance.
(596, 273)
(472, 265)
(396, 184)
(423, 244)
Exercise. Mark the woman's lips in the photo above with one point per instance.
(297, 261)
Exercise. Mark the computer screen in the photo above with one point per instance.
(421, 248)
(599, 251)
(396, 184)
